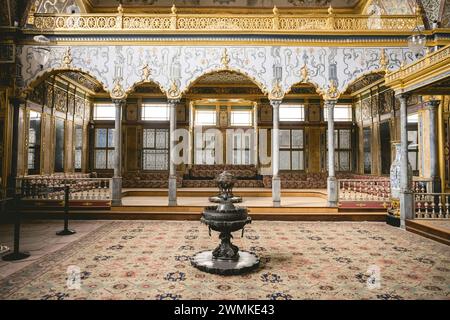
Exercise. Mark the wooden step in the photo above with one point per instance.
(432, 232)
(195, 215)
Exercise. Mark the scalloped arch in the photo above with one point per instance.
(34, 81)
(255, 81)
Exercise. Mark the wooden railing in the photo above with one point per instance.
(432, 205)
(52, 188)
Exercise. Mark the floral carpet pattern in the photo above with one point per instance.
(299, 260)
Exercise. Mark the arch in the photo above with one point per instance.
(189, 84)
(37, 78)
(362, 75)
(319, 90)
(131, 89)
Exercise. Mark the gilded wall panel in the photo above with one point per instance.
(60, 97)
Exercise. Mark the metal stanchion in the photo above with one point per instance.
(16, 254)
(66, 231)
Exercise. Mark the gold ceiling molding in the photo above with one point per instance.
(238, 23)
(429, 67)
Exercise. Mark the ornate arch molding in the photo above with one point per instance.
(191, 82)
(62, 59)
(380, 72)
(38, 78)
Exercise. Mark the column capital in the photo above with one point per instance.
(330, 101)
(119, 102)
(275, 103)
(402, 95)
(431, 105)
(173, 101)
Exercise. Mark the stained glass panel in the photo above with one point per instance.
(111, 158)
(285, 160)
(100, 159)
(285, 138)
(111, 138)
(100, 138)
(297, 138)
(344, 139)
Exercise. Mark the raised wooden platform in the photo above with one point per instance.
(208, 192)
(435, 229)
(195, 216)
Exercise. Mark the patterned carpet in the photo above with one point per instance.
(300, 260)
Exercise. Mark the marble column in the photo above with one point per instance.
(432, 107)
(406, 195)
(15, 105)
(332, 183)
(276, 182)
(172, 165)
(117, 177)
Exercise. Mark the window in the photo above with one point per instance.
(78, 146)
(242, 118)
(291, 149)
(155, 112)
(104, 148)
(289, 112)
(205, 151)
(205, 117)
(413, 139)
(342, 149)
(59, 145)
(342, 113)
(103, 111)
(385, 139)
(34, 142)
(155, 152)
(241, 150)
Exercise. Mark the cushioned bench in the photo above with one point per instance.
(148, 180)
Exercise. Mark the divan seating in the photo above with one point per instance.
(202, 171)
(148, 180)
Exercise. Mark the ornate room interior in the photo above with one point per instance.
(327, 120)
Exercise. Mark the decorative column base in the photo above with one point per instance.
(172, 190)
(276, 191)
(406, 207)
(116, 191)
(332, 191)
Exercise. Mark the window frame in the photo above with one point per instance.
(292, 149)
(146, 105)
(200, 109)
(78, 148)
(167, 148)
(107, 148)
(285, 106)
(338, 149)
(35, 147)
(337, 106)
(94, 113)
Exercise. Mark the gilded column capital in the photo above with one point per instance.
(431, 105)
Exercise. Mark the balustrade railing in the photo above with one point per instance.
(432, 205)
(364, 190)
(222, 22)
(356, 190)
(52, 188)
